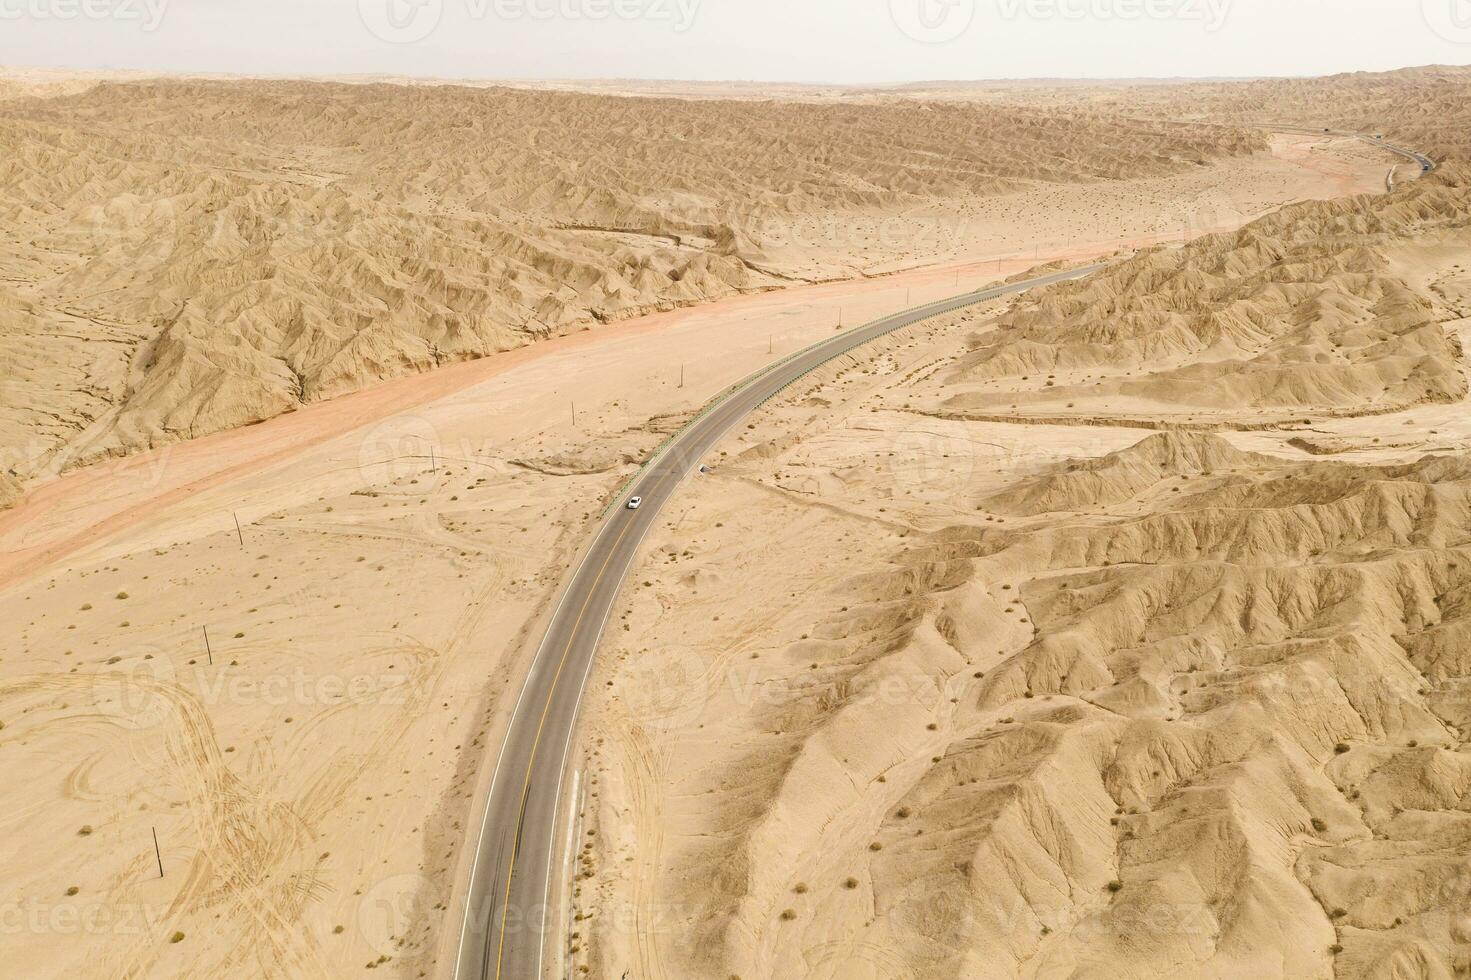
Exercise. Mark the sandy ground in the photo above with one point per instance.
(300, 710)
(185, 256)
(921, 687)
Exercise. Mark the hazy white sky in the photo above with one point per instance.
(774, 40)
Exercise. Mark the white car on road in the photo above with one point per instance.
(635, 503)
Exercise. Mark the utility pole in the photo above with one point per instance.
(681, 375)
(157, 853)
(238, 533)
(207, 649)
(770, 343)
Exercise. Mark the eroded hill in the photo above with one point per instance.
(187, 256)
(960, 670)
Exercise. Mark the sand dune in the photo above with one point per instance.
(1193, 733)
(242, 248)
(944, 671)
(967, 674)
(1311, 308)
(1418, 107)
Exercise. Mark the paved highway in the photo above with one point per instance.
(510, 898)
(510, 901)
(1426, 164)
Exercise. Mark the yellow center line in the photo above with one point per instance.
(561, 665)
(577, 627)
(536, 744)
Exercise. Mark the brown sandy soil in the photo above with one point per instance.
(310, 772)
(1115, 635)
(467, 559)
(214, 253)
(1417, 107)
(399, 545)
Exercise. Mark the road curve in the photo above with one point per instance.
(1426, 164)
(509, 900)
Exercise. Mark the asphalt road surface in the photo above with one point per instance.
(1426, 164)
(510, 893)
